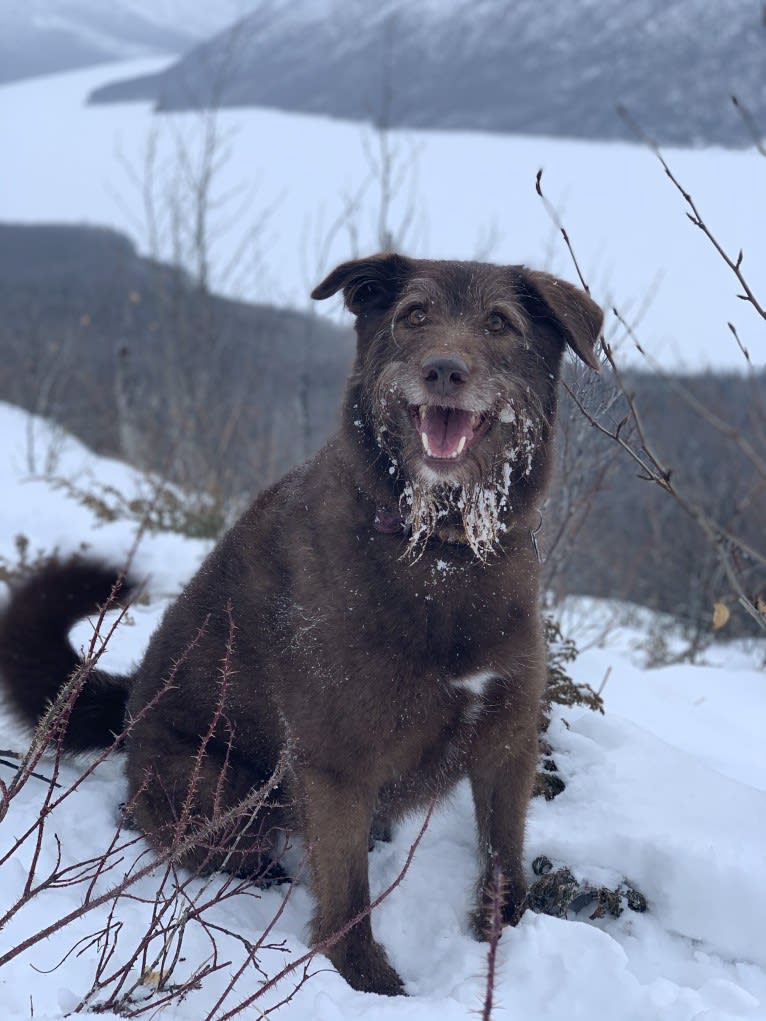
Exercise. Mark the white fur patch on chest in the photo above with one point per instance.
(475, 683)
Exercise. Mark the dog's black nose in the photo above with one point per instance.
(444, 374)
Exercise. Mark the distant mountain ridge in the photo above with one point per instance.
(46, 36)
(223, 397)
(130, 356)
(532, 67)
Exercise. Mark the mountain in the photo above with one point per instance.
(43, 36)
(131, 357)
(533, 67)
(224, 396)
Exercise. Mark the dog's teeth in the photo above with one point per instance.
(461, 445)
(475, 419)
(426, 444)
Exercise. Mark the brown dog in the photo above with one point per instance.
(384, 597)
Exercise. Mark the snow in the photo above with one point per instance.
(289, 178)
(79, 16)
(666, 791)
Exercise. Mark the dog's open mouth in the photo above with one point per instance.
(447, 433)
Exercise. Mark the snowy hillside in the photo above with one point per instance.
(532, 67)
(43, 36)
(294, 194)
(538, 67)
(666, 791)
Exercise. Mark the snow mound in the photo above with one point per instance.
(664, 791)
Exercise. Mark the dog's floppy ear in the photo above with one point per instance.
(368, 284)
(573, 312)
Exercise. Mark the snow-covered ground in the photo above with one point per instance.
(667, 790)
(462, 195)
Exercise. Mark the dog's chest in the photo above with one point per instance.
(399, 666)
(474, 685)
(436, 720)
(383, 612)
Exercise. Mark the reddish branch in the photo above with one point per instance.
(729, 546)
(304, 960)
(734, 264)
(495, 931)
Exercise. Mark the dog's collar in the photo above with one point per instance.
(450, 533)
(389, 521)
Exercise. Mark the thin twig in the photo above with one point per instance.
(734, 264)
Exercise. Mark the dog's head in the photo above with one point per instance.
(456, 373)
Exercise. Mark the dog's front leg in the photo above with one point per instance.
(502, 774)
(337, 816)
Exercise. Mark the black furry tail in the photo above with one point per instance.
(36, 658)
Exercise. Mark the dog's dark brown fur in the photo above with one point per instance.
(384, 595)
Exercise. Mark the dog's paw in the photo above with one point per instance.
(381, 831)
(367, 969)
(511, 900)
(271, 874)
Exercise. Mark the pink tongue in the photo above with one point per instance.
(445, 427)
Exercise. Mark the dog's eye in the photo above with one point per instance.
(495, 323)
(416, 316)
